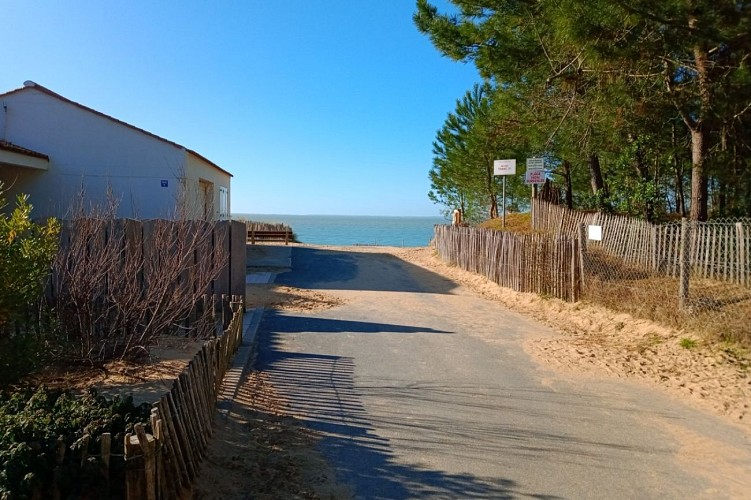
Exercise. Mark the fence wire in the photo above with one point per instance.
(694, 276)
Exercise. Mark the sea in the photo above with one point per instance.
(346, 230)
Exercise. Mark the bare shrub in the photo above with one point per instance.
(119, 284)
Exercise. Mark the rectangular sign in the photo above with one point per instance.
(504, 167)
(535, 163)
(595, 233)
(534, 176)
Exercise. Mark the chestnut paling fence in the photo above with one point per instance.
(692, 275)
(718, 249)
(534, 263)
(165, 464)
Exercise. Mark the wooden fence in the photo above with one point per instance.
(166, 463)
(136, 235)
(718, 250)
(537, 263)
(163, 464)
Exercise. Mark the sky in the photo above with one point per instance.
(315, 107)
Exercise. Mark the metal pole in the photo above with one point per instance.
(504, 202)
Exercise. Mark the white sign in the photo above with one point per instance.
(504, 167)
(534, 176)
(595, 233)
(535, 163)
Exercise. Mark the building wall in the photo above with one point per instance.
(90, 152)
(198, 172)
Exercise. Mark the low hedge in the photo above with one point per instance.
(33, 422)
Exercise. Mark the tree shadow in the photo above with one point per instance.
(488, 427)
(319, 391)
(284, 323)
(325, 269)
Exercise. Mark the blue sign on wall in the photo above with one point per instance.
(165, 183)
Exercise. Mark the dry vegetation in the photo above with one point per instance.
(515, 223)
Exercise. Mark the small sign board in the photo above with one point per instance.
(504, 167)
(594, 233)
(164, 183)
(535, 163)
(534, 176)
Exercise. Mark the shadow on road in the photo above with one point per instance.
(284, 323)
(325, 269)
(320, 391)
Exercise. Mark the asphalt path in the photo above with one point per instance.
(422, 389)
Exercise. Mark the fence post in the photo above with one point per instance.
(582, 254)
(685, 263)
(741, 245)
(105, 447)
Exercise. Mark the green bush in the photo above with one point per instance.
(27, 250)
(32, 422)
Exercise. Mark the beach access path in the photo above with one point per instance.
(422, 389)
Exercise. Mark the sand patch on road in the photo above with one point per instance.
(288, 298)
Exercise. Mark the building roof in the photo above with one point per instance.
(32, 85)
(7, 146)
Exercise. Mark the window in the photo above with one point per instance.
(223, 203)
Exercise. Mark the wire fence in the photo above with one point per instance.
(694, 276)
(690, 275)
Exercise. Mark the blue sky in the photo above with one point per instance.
(316, 107)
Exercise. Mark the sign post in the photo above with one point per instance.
(504, 168)
(534, 175)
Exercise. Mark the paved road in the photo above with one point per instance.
(423, 390)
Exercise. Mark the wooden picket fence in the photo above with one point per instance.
(537, 263)
(228, 236)
(719, 250)
(165, 464)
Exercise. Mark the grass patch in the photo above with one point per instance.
(688, 343)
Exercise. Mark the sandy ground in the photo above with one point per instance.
(260, 451)
(146, 381)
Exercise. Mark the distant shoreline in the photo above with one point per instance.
(356, 230)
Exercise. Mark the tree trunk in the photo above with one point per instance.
(598, 184)
(493, 206)
(698, 175)
(680, 197)
(699, 132)
(569, 184)
(493, 197)
(642, 170)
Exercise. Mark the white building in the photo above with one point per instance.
(53, 149)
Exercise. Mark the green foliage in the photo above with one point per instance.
(22, 354)
(32, 423)
(476, 133)
(26, 253)
(657, 91)
(688, 343)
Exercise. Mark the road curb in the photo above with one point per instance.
(243, 356)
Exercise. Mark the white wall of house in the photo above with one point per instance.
(205, 180)
(91, 151)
